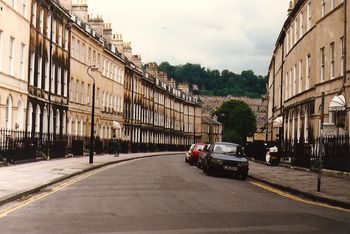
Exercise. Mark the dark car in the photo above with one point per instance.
(225, 157)
(202, 155)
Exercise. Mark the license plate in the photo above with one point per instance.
(228, 168)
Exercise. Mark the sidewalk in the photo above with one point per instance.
(23, 179)
(334, 191)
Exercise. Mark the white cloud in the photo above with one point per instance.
(220, 34)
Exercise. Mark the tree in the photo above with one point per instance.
(238, 121)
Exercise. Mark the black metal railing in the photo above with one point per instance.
(17, 146)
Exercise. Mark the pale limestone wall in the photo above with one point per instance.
(109, 92)
(324, 31)
(14, 84)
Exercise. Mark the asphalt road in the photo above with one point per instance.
(165, 195)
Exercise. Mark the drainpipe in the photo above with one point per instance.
(345, 42)
(281, 132)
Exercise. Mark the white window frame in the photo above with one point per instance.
(34, 9)
(332, 5)
(301, 25)
(1, 50)
(342, 56)
(47, 75)
(53, 77)
(59, 80)
(24, 8)
(300, 87)
(323, 8)
(308, 71)
(82, 93)
(332, 61)
(65, 80)
(11, 55)
(31, 69)
(322, 64)
(38, 72)
(59, 34)
(309, 15)
(53, 30)
(21, 62)
(41, 20)
(66, 36)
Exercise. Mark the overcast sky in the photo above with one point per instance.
(218, 34)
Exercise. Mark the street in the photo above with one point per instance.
(166, 195)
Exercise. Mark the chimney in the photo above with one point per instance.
(136, 59)
(67, 4)
(152, 69)
(96, 23)
(117, 41)
(127, 50)
(107, 31)
(80, 8)
(291, 6)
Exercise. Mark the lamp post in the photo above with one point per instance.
(91, 157)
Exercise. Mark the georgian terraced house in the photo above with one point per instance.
(14, 44)
(46, 91)
(311, 57)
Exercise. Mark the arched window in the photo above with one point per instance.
(30, 117)
(81, 128)
(64, 122)
(37, 119)
(9, 113)
(20, 115)
(69, 127)
(45, 120)
(58, 122)
(51, 121)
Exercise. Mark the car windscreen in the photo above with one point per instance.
(200, 147)
(225, 148)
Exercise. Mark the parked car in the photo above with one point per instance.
(226, 157)
(188, 153)
(202, 155)
(193, 157)
(272, 156)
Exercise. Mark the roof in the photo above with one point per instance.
(208, 120)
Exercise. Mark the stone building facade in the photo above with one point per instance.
(50, 94)
(14, 44)
(49, 68)
(311, 57)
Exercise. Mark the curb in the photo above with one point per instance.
(336, 174)
(37, 189)
(306, 195)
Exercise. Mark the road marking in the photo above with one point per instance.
(296, 198)
(55, 189)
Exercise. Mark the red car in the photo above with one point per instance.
(194, 153)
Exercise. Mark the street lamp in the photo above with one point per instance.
(91, 157)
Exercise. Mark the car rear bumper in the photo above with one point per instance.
(229, 169)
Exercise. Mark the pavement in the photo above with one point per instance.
(335, 187)
(24, 179)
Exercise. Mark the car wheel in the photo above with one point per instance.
(244, 176)
(208, 170)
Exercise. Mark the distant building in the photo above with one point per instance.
(258, 106)
(212, 130)
(311, 57)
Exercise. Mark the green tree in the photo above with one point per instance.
(238, 121)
